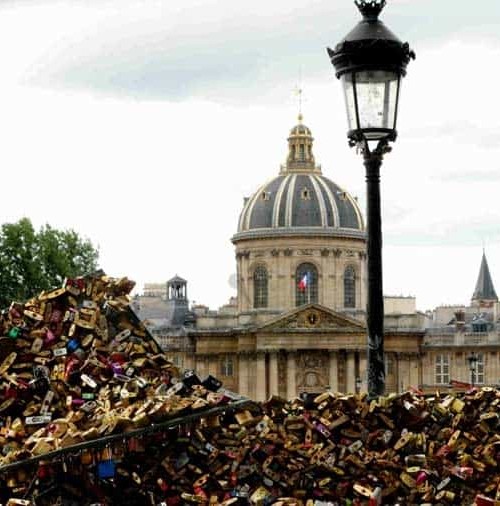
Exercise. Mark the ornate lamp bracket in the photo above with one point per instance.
(370, 9)
(363, 148)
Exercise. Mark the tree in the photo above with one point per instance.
(33, 261)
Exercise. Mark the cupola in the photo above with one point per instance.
(300, 154)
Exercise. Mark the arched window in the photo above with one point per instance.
(260, 287)
(306, 284)
(349, 287)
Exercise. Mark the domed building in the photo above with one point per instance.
(300, 225)
(297, 323)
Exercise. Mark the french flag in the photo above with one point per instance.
(304, 281)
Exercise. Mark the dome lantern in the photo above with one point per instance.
(300, 155)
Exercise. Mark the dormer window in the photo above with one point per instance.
(266, 195)
(479, 323)
(479, 327)
(306, 194)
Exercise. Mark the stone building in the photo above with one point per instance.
(462, 343)
(297, 323)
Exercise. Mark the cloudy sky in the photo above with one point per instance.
(142, 124)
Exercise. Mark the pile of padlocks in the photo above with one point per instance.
(92, 413)
(76, 365)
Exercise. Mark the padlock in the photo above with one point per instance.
(211, 383)
(106, 467)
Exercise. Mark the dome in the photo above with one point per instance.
(300, 200)
(300, 129)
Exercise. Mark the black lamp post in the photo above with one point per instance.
(472, 358)
(371, 62)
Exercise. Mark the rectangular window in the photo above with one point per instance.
(226, 366)
(442, 369)
(177, 360)
(480, 377)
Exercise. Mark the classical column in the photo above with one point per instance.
(291, 381)
(260, 377)
(189, 361)
(200, 365)
(414, 372)
(403, 373)
(350, 372)
(362, 371)
(212, 365)
(243, 387)
(273, 373)
(334, 372)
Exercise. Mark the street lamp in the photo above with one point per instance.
(371, 62)
(472, 358)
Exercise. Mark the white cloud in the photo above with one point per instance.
(159, 184)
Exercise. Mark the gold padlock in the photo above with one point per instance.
(446, 495)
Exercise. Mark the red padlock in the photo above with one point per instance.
(49, 338)
(483, 500)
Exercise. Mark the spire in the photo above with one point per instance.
(485, 291)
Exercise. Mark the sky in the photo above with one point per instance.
(142, 124)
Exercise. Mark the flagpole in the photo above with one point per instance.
(308, 289)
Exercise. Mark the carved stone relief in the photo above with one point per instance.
(313, 318)
(312, 371)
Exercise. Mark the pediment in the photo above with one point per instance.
(313, 316)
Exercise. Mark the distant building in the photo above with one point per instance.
(462, 343)
(297, 323)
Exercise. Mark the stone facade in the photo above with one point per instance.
(282, 256)
(302, 232)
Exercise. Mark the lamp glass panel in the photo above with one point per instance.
(350, 104)
(377, 98)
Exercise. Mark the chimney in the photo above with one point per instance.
(460, 320)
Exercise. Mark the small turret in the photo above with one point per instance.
(177, 301)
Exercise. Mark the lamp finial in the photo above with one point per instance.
(370, 9)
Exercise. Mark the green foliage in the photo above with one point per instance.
(33, 261)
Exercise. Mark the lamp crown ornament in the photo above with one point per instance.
(370, 9)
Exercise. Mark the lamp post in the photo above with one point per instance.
(371, 62)
(472, 358)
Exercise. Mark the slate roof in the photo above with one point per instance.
(484, 286)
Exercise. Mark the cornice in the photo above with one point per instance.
(271, 233)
